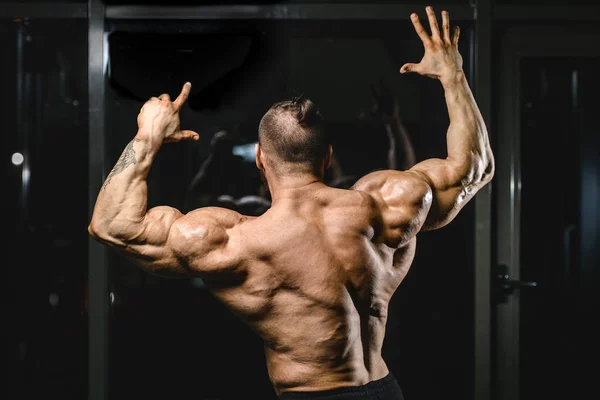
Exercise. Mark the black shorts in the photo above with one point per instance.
(382, 389)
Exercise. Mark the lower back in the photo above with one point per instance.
(312, 345)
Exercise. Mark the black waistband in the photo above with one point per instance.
(373, 387)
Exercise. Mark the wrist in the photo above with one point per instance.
(453, 78)
(147, 140)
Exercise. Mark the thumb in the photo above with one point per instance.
(409, 67)
(188, 135)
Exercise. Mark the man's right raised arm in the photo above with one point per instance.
(469, 164)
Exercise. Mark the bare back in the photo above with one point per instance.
(317, 279)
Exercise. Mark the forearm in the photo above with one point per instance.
(469, 164)
(467, 138)
(122, 202)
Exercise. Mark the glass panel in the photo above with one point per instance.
(45, 136)
(557, 328)
(238, 69)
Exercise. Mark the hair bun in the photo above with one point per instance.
(307, 112)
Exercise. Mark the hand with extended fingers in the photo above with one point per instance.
(441, 60)
(159, 119)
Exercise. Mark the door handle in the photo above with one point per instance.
(510, 285)
(505, 286)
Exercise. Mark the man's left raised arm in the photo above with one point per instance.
(120, 218)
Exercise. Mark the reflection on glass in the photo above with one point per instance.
(45, 136)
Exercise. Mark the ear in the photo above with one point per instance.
(328, 157)
(258, 157)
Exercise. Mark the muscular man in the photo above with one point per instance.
(312, 276)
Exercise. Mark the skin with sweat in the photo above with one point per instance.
(312, 276)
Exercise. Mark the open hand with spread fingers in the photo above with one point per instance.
(159, 122)
(441, 60)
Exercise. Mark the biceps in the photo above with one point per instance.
(450, 191)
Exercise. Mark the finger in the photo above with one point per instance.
(188, 135)
(456, 36)
(164, 96)
(180, 100)
(446, 26)
(410, 67)
(182, 135)
(435, 30)
(419, 29)
(150, 100)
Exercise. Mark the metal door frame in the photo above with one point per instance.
(517, 44)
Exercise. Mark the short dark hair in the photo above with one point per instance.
(293, 131)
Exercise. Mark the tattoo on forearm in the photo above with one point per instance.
(127, 158)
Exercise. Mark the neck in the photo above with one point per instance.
(287, 186)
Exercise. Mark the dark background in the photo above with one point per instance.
(171, 339)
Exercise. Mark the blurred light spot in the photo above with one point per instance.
(75, 102)
(25, 175)
(246, 151)
(53, 299)
(112, 297)
(574, 88)
(17, 158)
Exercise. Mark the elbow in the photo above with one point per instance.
(101, 232)
(115, 233)
(92, 230)
(481, 172)
(489, 169)
(483, 169)
(96, 231)
(476, 171)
